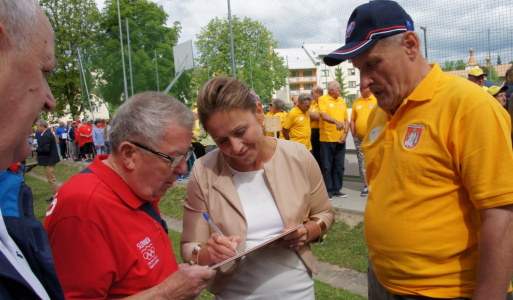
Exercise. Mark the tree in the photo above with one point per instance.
(460, 65)
(339, 75)
(499, 62)
(449, 66)
(256, 62)
(148, 33)
(75, 23)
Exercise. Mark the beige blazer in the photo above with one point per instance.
(296, 184)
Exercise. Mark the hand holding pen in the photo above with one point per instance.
(217, 245)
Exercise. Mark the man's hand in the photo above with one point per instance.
(340, 125)
(186, 283)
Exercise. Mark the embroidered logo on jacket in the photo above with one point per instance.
(148, 252)
(412, 136)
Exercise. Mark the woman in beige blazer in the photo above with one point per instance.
(253, 187)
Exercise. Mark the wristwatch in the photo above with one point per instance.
(195, 254)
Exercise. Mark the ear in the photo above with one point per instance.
(259, 111)
(411, 44)
(127, 154)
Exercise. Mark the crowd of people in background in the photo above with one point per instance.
(76, 140)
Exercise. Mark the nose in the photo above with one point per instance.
(181, 168)
(49, 104)
(236, 145)
(365, 80)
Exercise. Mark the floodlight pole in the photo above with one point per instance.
(85, 83)
(231, 39)
(424, 28)
(157, 71)
(129, 57)
(122, 53)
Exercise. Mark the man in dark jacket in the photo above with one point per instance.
(27, 55)
(47, 155)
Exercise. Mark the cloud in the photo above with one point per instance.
(452, 26)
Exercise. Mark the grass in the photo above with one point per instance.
(63, 171)
(344, 246)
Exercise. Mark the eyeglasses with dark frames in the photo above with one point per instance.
(174, 161)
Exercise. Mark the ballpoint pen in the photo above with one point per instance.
(215, 228)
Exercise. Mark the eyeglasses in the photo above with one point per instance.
(174, 161)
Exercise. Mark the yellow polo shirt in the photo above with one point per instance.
(335, 108)
(443, 155)
(361, 110)
(314, 107)
(298, 122)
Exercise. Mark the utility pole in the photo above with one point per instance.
(424, 28)
(231, 39)
(122, 53)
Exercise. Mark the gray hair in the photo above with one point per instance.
(304, 97)
(317, 89)
(42, 122)
(146, 117)
(279, 104)
(20, 17)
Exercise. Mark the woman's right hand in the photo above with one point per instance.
(221, 248)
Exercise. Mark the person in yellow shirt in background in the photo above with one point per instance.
(314, 123)
(333, 129)
(439, 217)
(279, 110)
(297, 124)
(270, 113)
(361, 110)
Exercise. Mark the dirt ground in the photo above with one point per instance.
(351, 219)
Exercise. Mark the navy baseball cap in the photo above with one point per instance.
(367, 24)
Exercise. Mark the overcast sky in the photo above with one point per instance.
(452, 26)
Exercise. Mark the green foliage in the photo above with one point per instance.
(493, 76)
(499, 62)
(148, 33)
(344, 246)
(255, 60)
(460, 65)
(449, 65)
(75, 23)
(339, 75)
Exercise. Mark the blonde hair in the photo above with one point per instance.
(223, 94)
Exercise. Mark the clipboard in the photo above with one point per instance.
(255, 248)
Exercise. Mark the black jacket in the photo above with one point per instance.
(30, 236)
(47, 154)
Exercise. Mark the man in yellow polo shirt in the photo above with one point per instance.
(314, 123)
(333, 128)
(359, 116)
(297, 124)
(439, 217)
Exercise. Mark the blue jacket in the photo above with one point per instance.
(30, 236)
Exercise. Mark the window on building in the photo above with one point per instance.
(351, 84)
(351, 71)
(308, 86)
(307, 73)
(325, 73)
(294, 73)
(294, 87)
